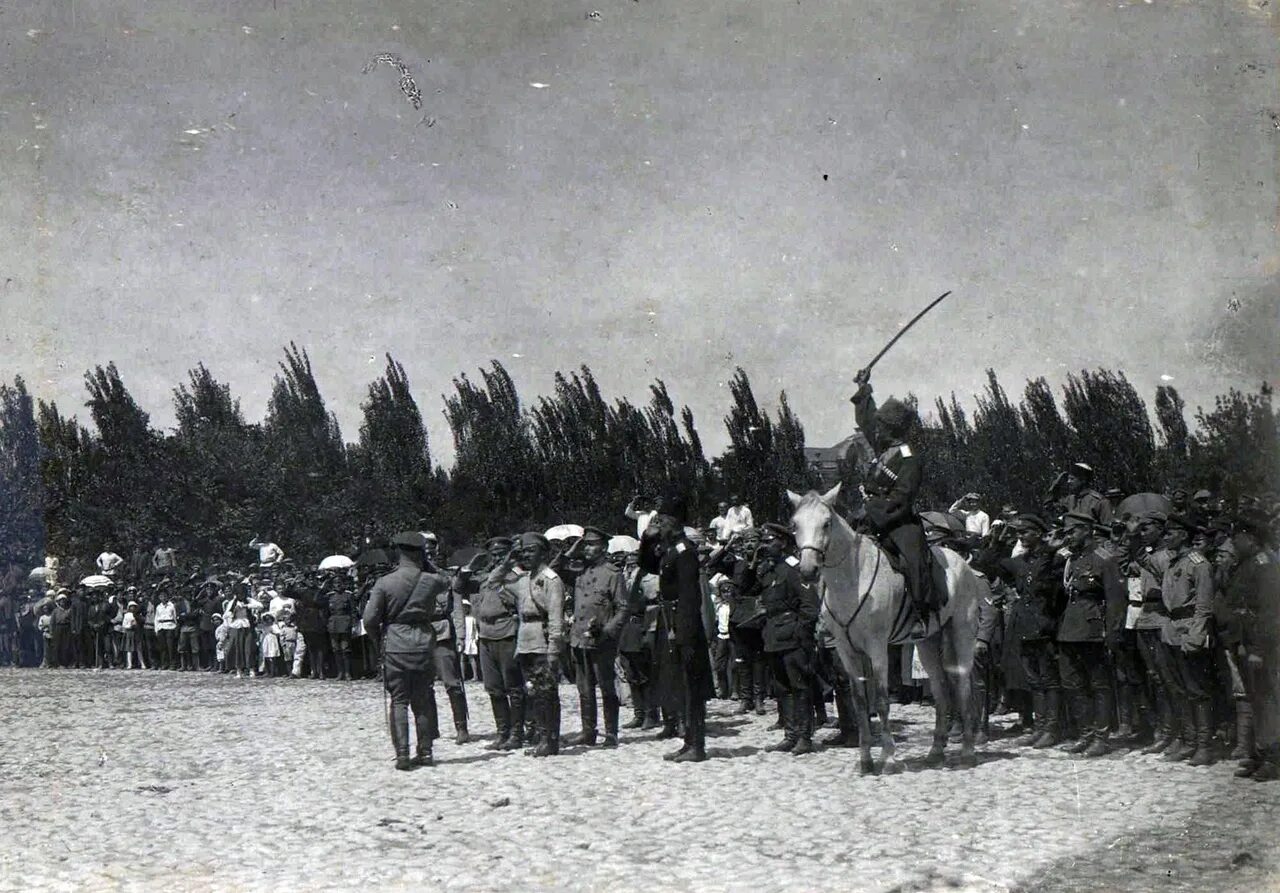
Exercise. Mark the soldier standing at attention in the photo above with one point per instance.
(399, 613)
(1187, 591)
(540, 595)
(1088, 632)
(1037, 575)
(599, 610)
(494, 606)
(790, 630)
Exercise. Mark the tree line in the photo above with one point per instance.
(217, 479)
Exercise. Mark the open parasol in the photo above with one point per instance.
(628, 544)
(96, 581)
(564, 532)
(336, 563)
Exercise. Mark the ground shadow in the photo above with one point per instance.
(475, 758)
(731, 753)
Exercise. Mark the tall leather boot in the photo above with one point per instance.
(1203, 755)
(1244, 749)
(588, 736)
(1184, 746)
(637, 707)
(398, 720)
(519, 705)
(1125, 730)
(426, 733)
(1082, 715)
(1103, 710)
(760, 685)
(458, 706)
(695, 735)
(1052, 733)
(1166, 731)
(611, 710)
(501, 720)
(802, 718)
(786, 707)
(550, 745)
(1037, 722)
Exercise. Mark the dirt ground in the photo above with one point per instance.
(150, 780)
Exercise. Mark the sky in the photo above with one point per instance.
(665, 190)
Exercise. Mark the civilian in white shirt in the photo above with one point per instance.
(109, 563)
(718, 523)
(269, 554)
(641, 511)
(722, 593)
(738, 517)
(166, 626)
(967, 509)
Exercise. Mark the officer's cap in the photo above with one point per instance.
(409, 539)
(591, 532)
(498, 541)
(1202, 496)
(1072, 520)
(533, 538)
(1182, 521)
(1082, 469)
(772, 530)
(1032, 521)
(1255, 522)
(1158, 517)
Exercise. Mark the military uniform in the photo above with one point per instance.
(791, 616)
(341, 619)
(1088, 630)
(599, 610)
(449, 620)
(1256, 590)
(1038, 578)
(1088, 502)
(1147, 567)
(399, 612)
(635, 644)
(891, 492)
(685, 680)
(1187, 592)
(540, 602)
(494, 608)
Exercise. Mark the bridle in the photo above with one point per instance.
(822, 555)
(862, 599)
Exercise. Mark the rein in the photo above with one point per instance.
(862, 599)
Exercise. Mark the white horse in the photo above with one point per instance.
(863, 607)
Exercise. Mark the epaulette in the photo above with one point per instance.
(680, 547)
(1196, 558)
(550, 574)
(1262, 558)
(905, 450)
(793, 561)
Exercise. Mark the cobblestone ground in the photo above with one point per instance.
(147, 780)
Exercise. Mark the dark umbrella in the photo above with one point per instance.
(461, 557)
(943, 520)
(1139, 503)
(372, 557)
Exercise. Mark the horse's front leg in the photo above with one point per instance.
(880, 676)
(931, 658)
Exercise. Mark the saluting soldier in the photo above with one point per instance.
(791, 617)
(540, 601)
(399, 613)
(1187, 591)
(1072, 491)
(599, 610)
(493, 604)
(1037, 575)
(1088, 632)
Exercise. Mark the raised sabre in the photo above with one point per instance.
(894, 340)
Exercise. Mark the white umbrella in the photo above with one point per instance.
(623, 543)
(96, 581)
(40, 573)
(564, 532)
(336, 563)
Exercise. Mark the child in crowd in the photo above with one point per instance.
(268, 645)
(288, 641)
(220, 633)
(129, 635)
(45, 625)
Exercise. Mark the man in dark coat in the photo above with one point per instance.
(1089, 631)
(790, 629)
(493, 604)
(399, 613)
(311, 607)
(681, 643)
(891, 490)
(1037, 576)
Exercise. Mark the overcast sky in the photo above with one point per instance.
(670, 190)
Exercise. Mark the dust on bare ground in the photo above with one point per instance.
(148, 780)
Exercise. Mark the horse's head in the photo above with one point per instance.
(811, 524)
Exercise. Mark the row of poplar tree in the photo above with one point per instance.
(218, 479)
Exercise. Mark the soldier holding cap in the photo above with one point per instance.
(599, 610)
(399, 613)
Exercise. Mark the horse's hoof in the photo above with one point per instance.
(935, 759)
(891, 767)
(968, 761)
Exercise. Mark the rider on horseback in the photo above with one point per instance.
(891, 488)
